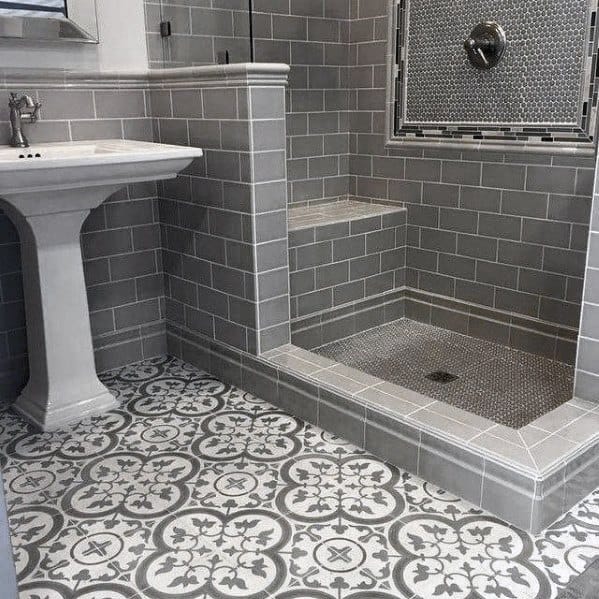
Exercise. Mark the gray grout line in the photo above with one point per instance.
(528, 451)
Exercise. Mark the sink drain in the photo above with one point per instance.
(440, 376)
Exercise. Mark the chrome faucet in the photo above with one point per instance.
(18, 116)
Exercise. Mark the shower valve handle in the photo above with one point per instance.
(486, 45)
(478, 47)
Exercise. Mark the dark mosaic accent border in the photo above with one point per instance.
(583, 136)
(525, 500)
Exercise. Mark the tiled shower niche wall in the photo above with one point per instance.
(501, 230)
(120, 240)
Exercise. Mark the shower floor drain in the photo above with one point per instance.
(440, 376)
(404, 352)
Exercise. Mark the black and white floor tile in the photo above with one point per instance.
(194, 489)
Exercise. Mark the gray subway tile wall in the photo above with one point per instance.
(209, 249)
(479, 222)
(586, 384)
(313, 38)
(358, 259)
(504, 230)
(224, 220)
(120, 241)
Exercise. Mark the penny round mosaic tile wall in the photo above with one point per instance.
(538, 80)
(542, 92)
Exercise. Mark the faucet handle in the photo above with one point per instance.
(19, 102)
(36, 111)
(33, 116)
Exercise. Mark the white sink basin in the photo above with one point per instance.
(48, 191)
(80, 151)
(85, 164)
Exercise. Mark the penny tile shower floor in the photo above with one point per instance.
(194, 489)
(505, 385)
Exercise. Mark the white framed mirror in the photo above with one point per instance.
(49, 20)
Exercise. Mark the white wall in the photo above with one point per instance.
(122, 31)
(122, 46)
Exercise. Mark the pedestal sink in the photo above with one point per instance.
(48, 190)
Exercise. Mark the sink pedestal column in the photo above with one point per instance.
(63, 386)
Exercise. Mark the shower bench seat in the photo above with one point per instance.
(346, 211)
(344, 253)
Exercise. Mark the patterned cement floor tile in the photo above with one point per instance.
(316, 440)
(194, 489)
(425, 498)
(83, 551)
(134, 485)
(201, 552)
(44, 482)
(56, 590)
(342, 558)
(159, 434)
(88, 439)
(322, 488)
(235, 485)
(465, 556)
(263, 437)
(571, 544)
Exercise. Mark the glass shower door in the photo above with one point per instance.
(187, 33)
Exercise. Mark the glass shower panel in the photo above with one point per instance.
(183, 33)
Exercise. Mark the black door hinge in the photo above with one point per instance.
(166, 29)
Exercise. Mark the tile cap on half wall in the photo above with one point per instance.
(255, 73)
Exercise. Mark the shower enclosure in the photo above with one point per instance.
(424, 233)
(184, 34)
